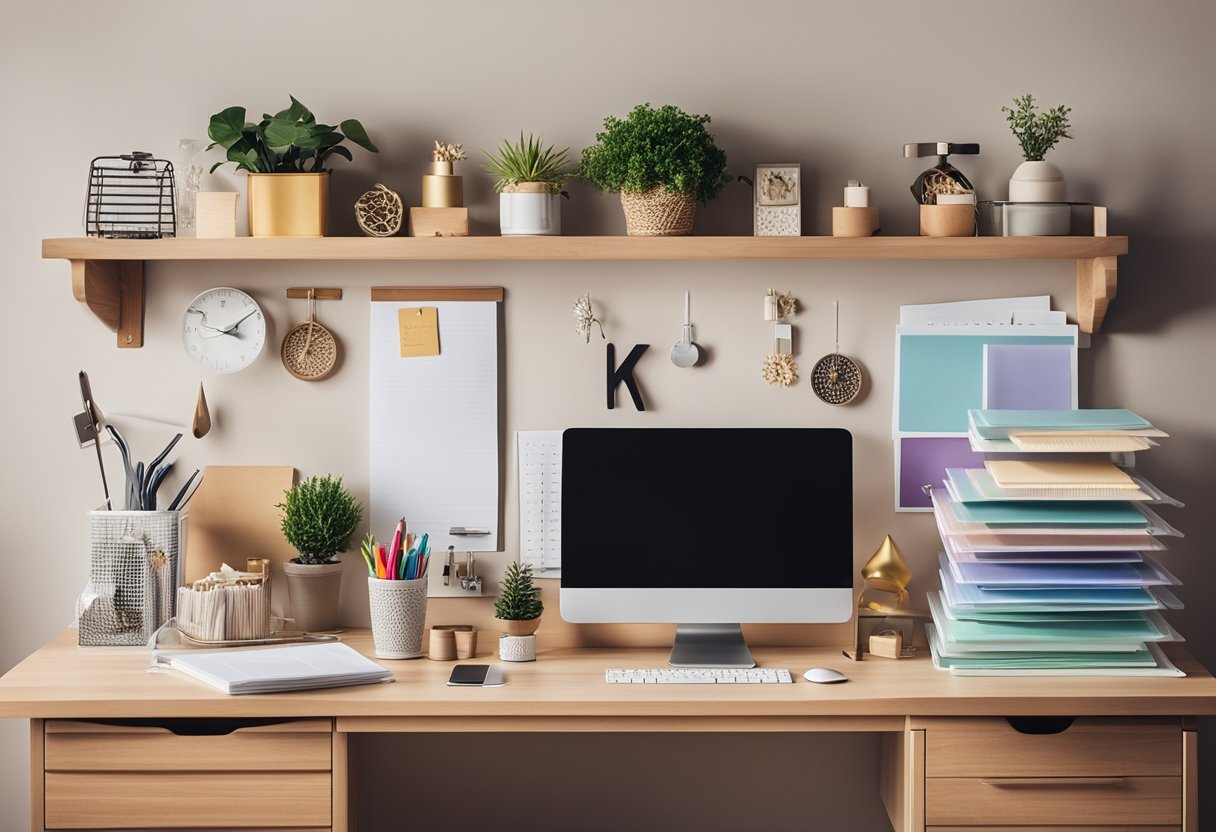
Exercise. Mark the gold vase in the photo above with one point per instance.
(441, 188)
(288, 204)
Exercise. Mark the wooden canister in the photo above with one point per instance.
(466, 644)
(854, 222)
(947, 220)
(442, 644)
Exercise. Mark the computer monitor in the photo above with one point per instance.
(707, 528)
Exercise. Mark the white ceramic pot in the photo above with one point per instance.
(534, 214)
(517, 648)
(1036, 182)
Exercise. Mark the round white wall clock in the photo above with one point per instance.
(223, 330)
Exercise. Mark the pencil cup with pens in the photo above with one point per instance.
(397, 589)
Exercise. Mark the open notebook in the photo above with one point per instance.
(279, 669)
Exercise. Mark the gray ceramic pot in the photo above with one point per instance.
(315, 592)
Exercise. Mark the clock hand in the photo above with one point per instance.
(203, 323)
(228, 329)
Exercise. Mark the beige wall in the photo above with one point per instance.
(837, 86)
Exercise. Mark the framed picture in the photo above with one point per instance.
(777, 204)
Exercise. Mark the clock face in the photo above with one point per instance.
(223, 330)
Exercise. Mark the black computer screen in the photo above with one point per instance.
(707, 507)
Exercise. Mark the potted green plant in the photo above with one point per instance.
(1035, 179)
(318, 518)
(517, 612)
(518, 607)
(662, 161)
(528, 178)
(285, 155)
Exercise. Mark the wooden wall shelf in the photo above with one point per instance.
(107, 275)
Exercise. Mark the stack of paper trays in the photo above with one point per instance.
(1047, 566)
(1060, 431)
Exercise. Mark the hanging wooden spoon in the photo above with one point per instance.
(202, 415)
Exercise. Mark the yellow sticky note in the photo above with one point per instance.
(419, 329)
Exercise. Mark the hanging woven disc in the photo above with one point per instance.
(379, 212)
(836, 379)
(310, 351)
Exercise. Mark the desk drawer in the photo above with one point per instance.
(143, 800)
(302, 745)
(1089, 747)
(1063, 801)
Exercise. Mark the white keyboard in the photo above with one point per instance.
(699, 676)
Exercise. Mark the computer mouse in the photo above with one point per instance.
(824, 676)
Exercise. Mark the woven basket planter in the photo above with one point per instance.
(658, 213)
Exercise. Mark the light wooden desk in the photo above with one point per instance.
(950, 758)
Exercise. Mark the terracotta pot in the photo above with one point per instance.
(315, 592)
(518, 628)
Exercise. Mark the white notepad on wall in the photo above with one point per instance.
(433, 438)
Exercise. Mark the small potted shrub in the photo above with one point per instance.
(319, 516)
(285, 155)
(517, 612)
(528, 178)
(662, 161)
(1037, 180)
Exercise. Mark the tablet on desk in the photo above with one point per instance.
(477, 675)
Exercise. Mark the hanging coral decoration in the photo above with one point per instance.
(780, 368)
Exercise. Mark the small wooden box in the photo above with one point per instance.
(439, 222)
(215, 214)
(889, 645)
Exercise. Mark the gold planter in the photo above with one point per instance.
(288, 204)
(518, 628)
(441, 188)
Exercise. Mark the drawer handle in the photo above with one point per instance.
(1053, 781)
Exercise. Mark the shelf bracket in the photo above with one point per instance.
(1097, 279)
(113, 290)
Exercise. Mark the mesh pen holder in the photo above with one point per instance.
(398, 613)
(134, 562)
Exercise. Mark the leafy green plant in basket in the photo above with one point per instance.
(528, 161)
(318, 518)
(664, 147)
(290, 141)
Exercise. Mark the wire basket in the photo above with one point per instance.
(134, 559)
(131, 197)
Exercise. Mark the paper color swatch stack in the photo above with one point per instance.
(1047, 566)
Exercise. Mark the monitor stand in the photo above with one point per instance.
(710, 645)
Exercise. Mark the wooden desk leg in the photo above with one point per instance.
(342, 807)
(37, 777)
(902, 779)
(1190, 781)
